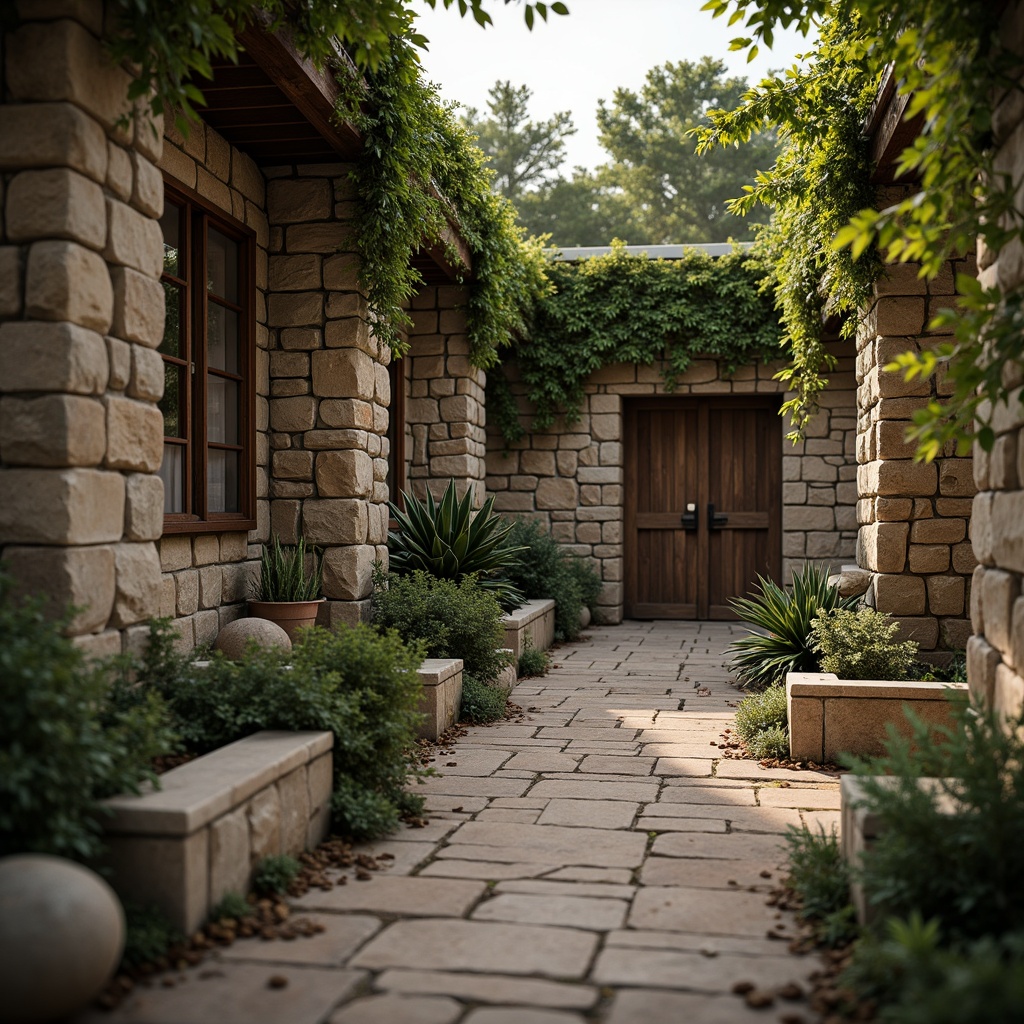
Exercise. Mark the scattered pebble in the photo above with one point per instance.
(277, 981)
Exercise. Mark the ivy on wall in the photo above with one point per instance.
(948, 58)
(621, 308)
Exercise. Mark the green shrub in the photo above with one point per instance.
(819, 876)
(481, 702)
(918, 980)
(449, 620)
(233, 905)
(449, 541)
(148, 935)
(954, 672)
(360, 685)
(71, 733)
(761, 659)
(760, 711)
(275, 874)
(950, 847)
(546, 569)
(284, 575)
(862, 645)
(533, 661)
(771, 742)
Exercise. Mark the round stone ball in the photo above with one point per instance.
(61, 937)
(584, 617)
(235, 637)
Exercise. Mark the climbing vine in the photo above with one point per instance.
(829, 243)
(621, 308)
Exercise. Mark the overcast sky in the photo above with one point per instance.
(571, 62)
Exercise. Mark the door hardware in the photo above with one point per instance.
(690, 517)
(716, 520)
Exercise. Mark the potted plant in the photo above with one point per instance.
(287, 592)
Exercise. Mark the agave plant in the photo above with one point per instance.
(760, 660)
(448, 541)
(283, 573)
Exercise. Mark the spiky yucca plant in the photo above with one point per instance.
(761, 660)
(448, 541)
(283, 573)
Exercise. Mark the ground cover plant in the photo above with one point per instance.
(451, 541)
(786, 617)
(862, 644)
(533, 661)
(482, 702)
(71, 733)
(545, 569)
(357, 683)
(762, 722)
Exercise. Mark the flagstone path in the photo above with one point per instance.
(597, 861)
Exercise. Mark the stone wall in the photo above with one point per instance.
(914, 516)
(206, 576)
(570, 477)
(995, 655)
(81, 317)
(444, 412)
(329, 386)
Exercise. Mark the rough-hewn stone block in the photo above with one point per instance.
(53, 430)
(83, 506)
(56, 203)
(51, 135)
(67, 282)
(135, 435)
(347, 572)
(344, 474)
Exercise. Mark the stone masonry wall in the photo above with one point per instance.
(995, 655)
(206, 576)
(571, 477)
(329, 386)
(81, 316)
(914, 516)
(445, 409)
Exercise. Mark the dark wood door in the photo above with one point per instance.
(703, 503)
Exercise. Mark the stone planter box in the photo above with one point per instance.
(442, 695)
(213, 820)
(829, 716)
(536, 620)
(859, 828)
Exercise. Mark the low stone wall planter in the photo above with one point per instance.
(508, 676)
(829, 716)
(860, 827)
(201, 835)
(536, 620)
(442, 695)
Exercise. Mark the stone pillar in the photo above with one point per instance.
(445, 411)
(995, 655)
(81, 317)
(329, 387)
(914, 515)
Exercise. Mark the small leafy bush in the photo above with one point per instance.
(761, 712)
(284, 575)
(950, 815)
(761, 659)
(918, 979)
(449, 541)
(233, 905)
(448, 619)
(149, 935)
(862, 644)
(533, 661)
(546, 569)
(481, 702)
(819, 876)
(771, 742)
(275, 874)
(71, 733)
(356, 683)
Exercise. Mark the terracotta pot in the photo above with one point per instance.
(289, 615)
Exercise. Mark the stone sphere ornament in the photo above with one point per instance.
(235, 637)
(61, 937)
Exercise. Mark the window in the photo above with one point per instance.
(209, 391)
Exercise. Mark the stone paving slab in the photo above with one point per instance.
(597, 847)
(388, 1009)
(544, 887)
(593, 813)
(481, 946)
(341, 937)
(488, 870)
(656, 1006)
(568, 911)
(574, 790)
(417, 897)
(490, 988)
(515, 1015)
(676, 909)
(708, 873)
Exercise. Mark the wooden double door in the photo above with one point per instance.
(703, 503)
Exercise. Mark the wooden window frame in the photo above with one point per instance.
(199, 212)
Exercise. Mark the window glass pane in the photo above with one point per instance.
(222, 265)
(222, 480)
(172, 472)
(221, 410)
(173, 343)
(170, 222)
(222, 338)
(172, 405)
